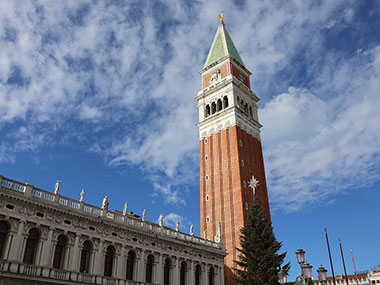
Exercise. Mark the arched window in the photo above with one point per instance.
(213, 108)
(246, 107)
(130, 264)
(220, 106)
(167, 266)
(108, 261)
(197, 274)
(211, 274)
(85, 257)
(250, 111)
(183, 273)
(31, 246)
(207, 111)
(59, 253)
(149, 268)
(4, 229)
(225, 102)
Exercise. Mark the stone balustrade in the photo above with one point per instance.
(115, 216)
(45, 236)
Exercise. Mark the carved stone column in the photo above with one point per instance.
(121, 268)
(15, 252)
(204, 274)
(46, 250)
(7, 245)
(141, 267)
(191, 273)
(176, 272)
(75, 254)
(99, 259)
(159, 276)
(16, 247)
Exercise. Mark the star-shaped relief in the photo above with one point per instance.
(253, 183)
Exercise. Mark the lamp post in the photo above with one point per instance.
(283, 276)
(306, 275)
(322, 275)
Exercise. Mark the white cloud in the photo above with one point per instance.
(87, 112)
(316, 148)
(170, 195)
(124, 69)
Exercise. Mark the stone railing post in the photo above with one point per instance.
(28, 190)
(1, 180)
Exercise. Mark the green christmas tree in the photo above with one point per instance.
(259, 261)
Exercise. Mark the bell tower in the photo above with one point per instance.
(231, 157)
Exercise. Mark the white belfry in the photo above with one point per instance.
(253, 183)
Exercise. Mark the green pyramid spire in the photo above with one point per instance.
(222, 46)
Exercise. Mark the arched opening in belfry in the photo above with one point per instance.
(59, 252)
(208, 111)
(225, 102)
(220, 105)
(31, 246)
(250, 111)
(246, 108)
(213, 108)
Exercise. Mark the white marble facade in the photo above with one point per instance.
(45, 236)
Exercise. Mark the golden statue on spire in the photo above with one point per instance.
(220, 16)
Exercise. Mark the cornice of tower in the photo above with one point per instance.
(230, 79)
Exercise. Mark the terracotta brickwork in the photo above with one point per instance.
(224, 71)
(236, 71)
(227, 196)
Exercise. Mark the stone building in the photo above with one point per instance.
(46, 238)
(231, 157)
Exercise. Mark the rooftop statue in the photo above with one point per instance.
(81, 195)
(56, 186)
(105, 203)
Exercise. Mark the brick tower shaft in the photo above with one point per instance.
(231, 157)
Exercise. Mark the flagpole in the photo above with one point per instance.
(331, 264)
(344, 265)
(353, 262)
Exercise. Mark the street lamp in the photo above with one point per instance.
(300, 253)
(283, 276)
(306, 275)
(322, 274)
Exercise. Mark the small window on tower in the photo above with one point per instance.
(206, 157)
(244, 184)
(246, 206)
(240, 143)
(206, 141)
(207, 219)
(242, 163)
(207, 198)
(206, 177)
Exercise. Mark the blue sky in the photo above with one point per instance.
(100, 94)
